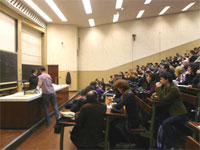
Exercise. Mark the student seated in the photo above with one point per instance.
(128, 105)
(76, 105)
(180, 75)
(196, 80)
(98, 90)
(151, 83)
(88, 133)
(191, 73)
(167, 91)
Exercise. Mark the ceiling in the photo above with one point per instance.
(103, 10)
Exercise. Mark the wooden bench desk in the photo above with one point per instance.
(191, 144)
(150, 110)
(196, 129)
(108, 115)
(63, 125)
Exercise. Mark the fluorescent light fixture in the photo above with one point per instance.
(38, 10)
(116, 17)
(164, 10)
(91, 22)
(119, 4)
(140, 13)
(56, 9)
(188, 6)
(87, 6)
(147, 2)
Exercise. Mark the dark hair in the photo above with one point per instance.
(167, 75)
(42, 69)
(166, 66)
(121, 84)
(192, 52)
(88, 89)
(152, 76)
(194, 67)
(33, 70)
(94, 84)
(92, 96)
(83, 93)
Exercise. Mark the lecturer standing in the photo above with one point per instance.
(33, 79)
(48, 94)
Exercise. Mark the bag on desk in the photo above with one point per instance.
(65, 117)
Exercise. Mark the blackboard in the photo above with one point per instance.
(8, 67)
(27, 70)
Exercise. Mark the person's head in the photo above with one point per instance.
(165, 67)
(151, 77)
(83, 92)
(179, 70)
(185, 62)
(121, 85)
(192, 53)
(165, 78)
(88, 89)
(94, 84)
(193, 67)
(34, 71)
(92, 96)
(42, 69)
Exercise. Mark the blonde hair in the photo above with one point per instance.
(179, 70)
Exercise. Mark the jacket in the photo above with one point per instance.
(33, 82)
(132, 110)
(172, 95)
(90, 125)
(68, 78)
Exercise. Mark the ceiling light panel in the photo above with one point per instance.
(141, 12)
(119, 4)
(38, 10)
(55, 8)
(188, 6)
(164, 10)
(87, 6)
(147, 2)
(26, 11)
(116, 17)
(91, 22)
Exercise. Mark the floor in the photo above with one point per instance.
(6, 136)
(43, 138)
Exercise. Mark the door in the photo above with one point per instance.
(53, 71)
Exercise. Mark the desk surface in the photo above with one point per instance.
(20, 97)
(195, 125)
(108, 112)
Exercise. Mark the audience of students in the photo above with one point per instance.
(170, 72)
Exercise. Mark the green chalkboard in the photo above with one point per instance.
(8, 67)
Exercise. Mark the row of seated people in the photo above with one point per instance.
(184, 70)
(90, 117)
(166, 90)
(90, 108)
(90, 114)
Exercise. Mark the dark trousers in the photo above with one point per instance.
(169, 129)
(46, 99)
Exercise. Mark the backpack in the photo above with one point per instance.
(160, 142)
